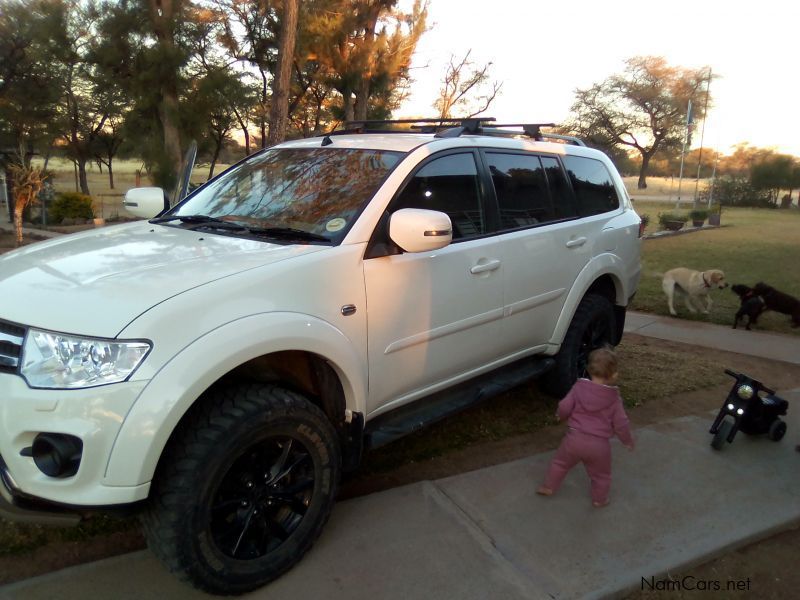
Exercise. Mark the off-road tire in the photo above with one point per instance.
(217, 458)
(721, 437)
(592, 326)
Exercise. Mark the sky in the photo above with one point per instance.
(543, 50)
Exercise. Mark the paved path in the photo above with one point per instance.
(486, 534)
(783, 347)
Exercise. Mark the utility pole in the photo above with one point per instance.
(702, 136)
(683, 150)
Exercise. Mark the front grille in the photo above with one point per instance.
(11, 337)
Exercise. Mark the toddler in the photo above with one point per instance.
(595, 414)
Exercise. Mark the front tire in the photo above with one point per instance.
(592, 327)
(248, 484)
(721, 437)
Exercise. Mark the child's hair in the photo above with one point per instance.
(602, 363)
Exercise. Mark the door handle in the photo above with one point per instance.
(576, 243)
(490, 265)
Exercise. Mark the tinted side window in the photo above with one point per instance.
(521, 189)
(563, 204)
(448, 184)
(593, 185)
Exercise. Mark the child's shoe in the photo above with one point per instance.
(544, 491)
(600, 504)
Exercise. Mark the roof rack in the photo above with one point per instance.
(433, 125)
(533, 130)
(449, 128)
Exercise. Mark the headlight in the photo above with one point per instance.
(745, 392)
(731, 407)
(58, 361)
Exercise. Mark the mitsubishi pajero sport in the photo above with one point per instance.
(218, 366)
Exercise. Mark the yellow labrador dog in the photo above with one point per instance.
(694, 285)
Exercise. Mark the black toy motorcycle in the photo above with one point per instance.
(750, 407)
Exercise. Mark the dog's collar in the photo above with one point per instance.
(705, 283)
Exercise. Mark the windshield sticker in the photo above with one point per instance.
(336, 224)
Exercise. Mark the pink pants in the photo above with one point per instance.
(595, 454)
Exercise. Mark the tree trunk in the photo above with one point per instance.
(642, 185)
(163, 16)
(348, 105)
(18, 208)
(84, 182)
(214, 159)
(110, 173)
(245, 132)
(279, 114)
(362, 99)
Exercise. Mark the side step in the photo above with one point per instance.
(421, 413)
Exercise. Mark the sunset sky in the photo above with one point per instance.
(542, 51)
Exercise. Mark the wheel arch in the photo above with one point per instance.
(322, 365)
(602, 276)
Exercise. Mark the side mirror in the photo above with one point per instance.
(419, 230)
(144, 202)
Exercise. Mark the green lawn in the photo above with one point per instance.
(752, 245)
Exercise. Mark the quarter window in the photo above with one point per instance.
(450, 185)
(593, 185)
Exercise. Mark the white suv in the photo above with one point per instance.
(218, 366)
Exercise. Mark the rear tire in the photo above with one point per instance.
(247, 485)
(721, 436)
(777, 430)
(592, 327)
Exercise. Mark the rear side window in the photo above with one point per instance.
(450, 185)
(593, 185)
(521, 188)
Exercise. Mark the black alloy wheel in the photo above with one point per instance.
(262, 499)
(246, 486)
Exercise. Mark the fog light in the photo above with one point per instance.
(57, 454)
(730, 407)
(740, 411)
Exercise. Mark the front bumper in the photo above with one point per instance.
(93, 415)
(16, 507)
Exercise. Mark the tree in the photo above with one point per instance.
(644, 108)
(465, 89)
(26, 183)
(28, 86)
(775, 173)
(107, 144)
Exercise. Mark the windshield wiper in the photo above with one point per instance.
(289, 232)
(201, 222)
(187, 219)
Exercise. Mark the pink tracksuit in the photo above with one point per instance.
(595, 415)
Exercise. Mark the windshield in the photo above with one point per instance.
(313, 190)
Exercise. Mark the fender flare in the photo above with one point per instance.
(165, 399)
(603, 264)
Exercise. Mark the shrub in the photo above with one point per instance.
(664, 218)
(71, 205)
(737, 191)
(698, 214)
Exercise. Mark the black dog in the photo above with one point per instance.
(779, 301)
(752, 305)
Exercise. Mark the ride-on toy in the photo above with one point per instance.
(749, 411)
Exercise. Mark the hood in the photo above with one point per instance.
(594, 397)
(94, 283)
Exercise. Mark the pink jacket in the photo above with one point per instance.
(596, 409)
